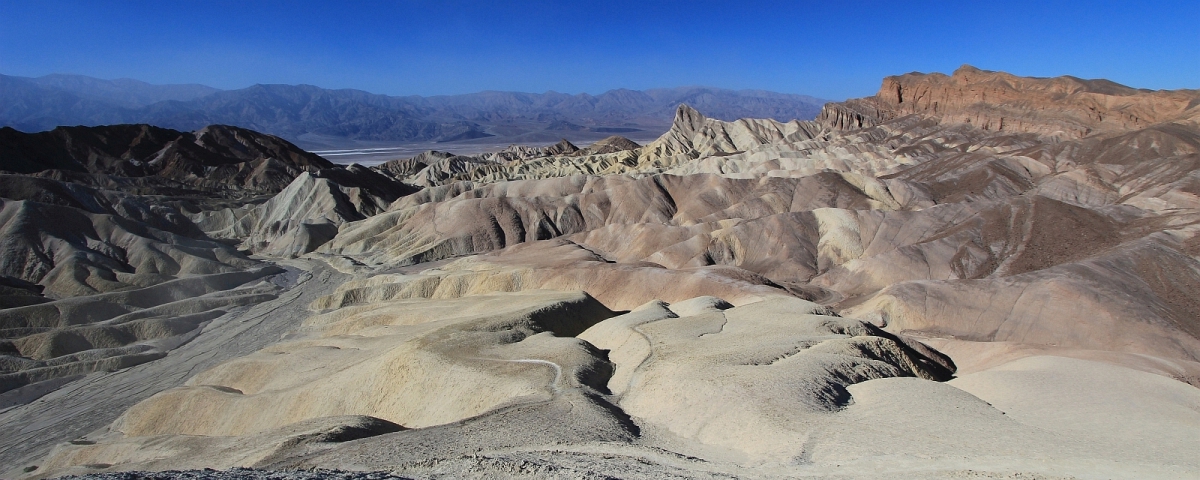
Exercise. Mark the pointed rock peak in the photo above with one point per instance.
(687, 118)
(561, 147)
(303, 182)
(686, 111)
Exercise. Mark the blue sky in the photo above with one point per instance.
(831, 49)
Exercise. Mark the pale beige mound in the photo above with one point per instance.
(971, 357)
(1141, 414)
(902, 427)
(1043, 415)
(754, 378)
(449, 367)
(182, 452)
(1039, 417)
(413, 363)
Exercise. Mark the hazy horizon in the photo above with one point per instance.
(676, 87)
(829, 51)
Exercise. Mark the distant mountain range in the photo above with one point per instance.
(122, 92)
(299, 111)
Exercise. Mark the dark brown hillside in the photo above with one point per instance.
(215, 157)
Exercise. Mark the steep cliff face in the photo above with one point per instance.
(1064, 107)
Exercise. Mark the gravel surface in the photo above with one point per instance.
(239, 473)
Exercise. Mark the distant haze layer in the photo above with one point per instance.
(318, 118)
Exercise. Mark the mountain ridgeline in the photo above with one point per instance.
(297, 111)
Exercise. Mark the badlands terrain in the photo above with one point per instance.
(967, 276)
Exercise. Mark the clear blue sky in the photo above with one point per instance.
(832, 49)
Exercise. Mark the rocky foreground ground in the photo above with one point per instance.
(965, 276)
(239, 473)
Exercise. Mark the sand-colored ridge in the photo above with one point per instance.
(304, 215)
(725, 375)
(487, 346)
(391, 361)
(559, 265)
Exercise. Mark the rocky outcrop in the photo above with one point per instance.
(306, 214)
(407, 167)
(691, 136)
(1065, 107)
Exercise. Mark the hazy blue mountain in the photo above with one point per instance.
(619, 105)
(731, 105)
(291, 111)
(29, 107)
(122, 92)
